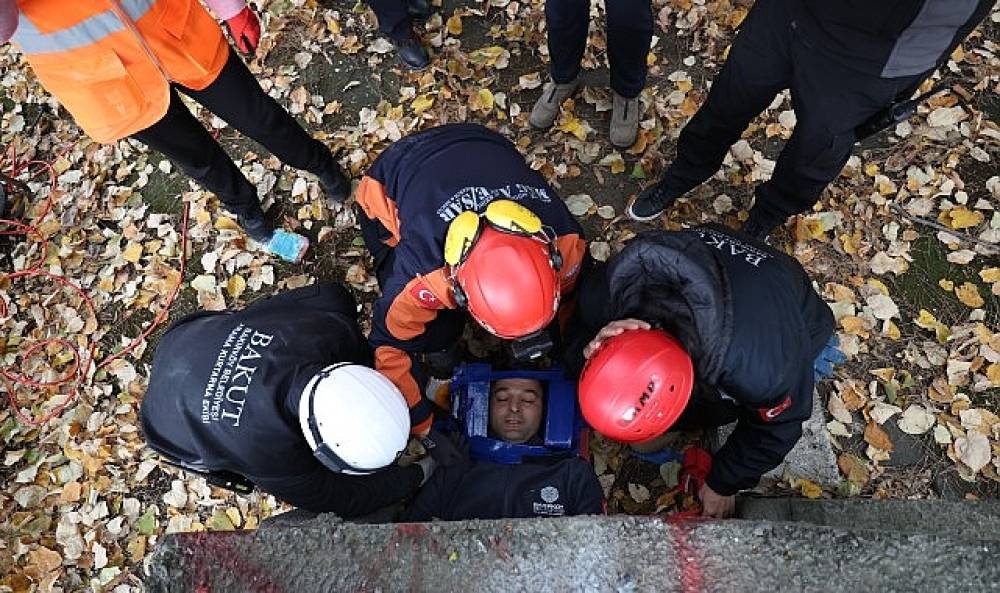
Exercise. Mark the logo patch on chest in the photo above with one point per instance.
(548, 507)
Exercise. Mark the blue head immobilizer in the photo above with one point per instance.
(470, 410)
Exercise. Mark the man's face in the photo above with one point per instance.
(516, 409)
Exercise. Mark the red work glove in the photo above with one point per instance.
(694, 470)
(245, 30)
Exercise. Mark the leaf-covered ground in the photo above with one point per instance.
(899, 247)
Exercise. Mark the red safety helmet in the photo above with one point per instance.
(636, 385)
(509, 284)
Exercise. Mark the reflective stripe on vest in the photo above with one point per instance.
(82, 34)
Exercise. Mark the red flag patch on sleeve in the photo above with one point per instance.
(769, 414)
(425, 296)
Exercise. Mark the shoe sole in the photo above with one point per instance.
(636, 217)
(623, 146)
(414, 68)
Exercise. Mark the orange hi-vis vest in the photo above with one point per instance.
(110, 62)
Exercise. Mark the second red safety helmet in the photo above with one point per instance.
(508, 283)
(636, 385)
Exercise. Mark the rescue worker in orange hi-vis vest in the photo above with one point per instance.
(117, 66)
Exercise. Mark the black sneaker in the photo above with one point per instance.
(336, 185)
(758, 229)
(650, 203)
(256, 228)
(412, 53)
(418, 9)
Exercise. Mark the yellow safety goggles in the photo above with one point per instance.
(504, 215)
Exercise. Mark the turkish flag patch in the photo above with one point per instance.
(424, 295)
(769, 414)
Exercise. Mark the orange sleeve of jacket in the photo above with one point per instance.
(400, 322)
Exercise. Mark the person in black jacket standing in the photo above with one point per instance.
(538, 488)
(751, 324)
(280, 395)
(844, 61)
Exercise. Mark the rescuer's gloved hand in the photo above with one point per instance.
(444, 450)
(245, 30)
(438, 391)
(427, 465)
(830, 357)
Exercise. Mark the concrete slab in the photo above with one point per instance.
(971, 520)
(622, 554)
(813, 456)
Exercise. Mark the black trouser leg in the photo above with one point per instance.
(374, 235)
(630, 30)
(393, 18)
(829, 100)
(183, 140)
(236, 97)
(567, 22)
(758, 68)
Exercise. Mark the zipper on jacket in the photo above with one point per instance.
(130, 25)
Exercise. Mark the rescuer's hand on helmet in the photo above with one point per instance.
(611, 330)
(716, 505)
(245, 30)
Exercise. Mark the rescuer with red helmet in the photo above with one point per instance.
(701, 328)
(456, 220)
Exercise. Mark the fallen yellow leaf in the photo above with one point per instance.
(927, 320)
(454, 25)
(133, 253)
(810, 489)
(878, 438)
(961, 218)
(946, 284)
(483, 100)
(236, 286)
(993, 374)
(853, 325)
(854, 468)
(572, 125)
(968, 293)
(421, 104)
(224, 223)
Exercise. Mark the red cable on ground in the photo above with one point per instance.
(80, 367)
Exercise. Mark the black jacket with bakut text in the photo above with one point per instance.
(748, 316)
(224, 394)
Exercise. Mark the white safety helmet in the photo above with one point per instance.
(354, 419)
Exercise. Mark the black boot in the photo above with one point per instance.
(418, 9)
(411, 52)
(336, 185)
(651, 202)
(256, 226)
(759, 227)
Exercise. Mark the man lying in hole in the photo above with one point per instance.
(537, 487)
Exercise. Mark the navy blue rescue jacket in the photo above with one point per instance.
(413, 191)
(224, 394)
(485, 490)
(748, 316)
